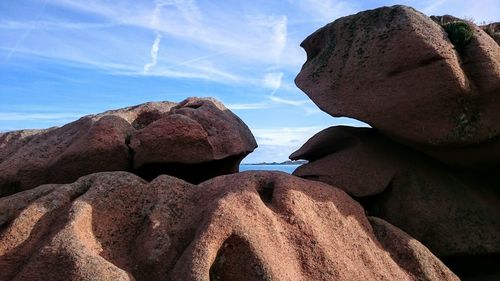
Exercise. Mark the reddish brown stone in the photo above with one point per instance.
(395, 69)
(479, 157)
(413, 256)
(455, 213)
(357, 160)
(245, 226)
(195, 131)
(493, 30)
(149, 139)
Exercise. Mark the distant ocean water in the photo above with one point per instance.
(283, 168)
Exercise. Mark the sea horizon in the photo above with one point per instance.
(287, 168)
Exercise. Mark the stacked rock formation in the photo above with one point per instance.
(148, 139)
(112, 224)
(430, 164)
(152, 192)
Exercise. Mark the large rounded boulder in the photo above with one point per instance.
(184, 140)
(404, 74)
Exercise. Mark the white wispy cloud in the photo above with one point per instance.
(280, 36)
(179, 20)
(80, 61)
(478, 11)
(155, 23)
(240, 35)
(268, 153)
(52, 25)
(432, 6)
(273, 81)
(326, 11)
(188, 8)
(294, 137)
(247, 106)
(291, 136)
(227, 47)
(311, 110)
(290, 102)
(26, 33)
(277, 35)
(276, 144)
(155, 18)
(155, 48)
(22, 116)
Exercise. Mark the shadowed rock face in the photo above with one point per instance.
(396, 69)
(484, 156)
(245, 226)
(358, 160)
(165, 137)
(453, 212)
(430, 88)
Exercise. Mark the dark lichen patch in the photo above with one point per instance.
(321, 61)
(460, 34)
(467, 121)
(331, 48)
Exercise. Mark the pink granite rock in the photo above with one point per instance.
(245, 226)
(396, 69)
(147, 139)
(455, 213)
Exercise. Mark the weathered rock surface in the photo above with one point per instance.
(456, 214)
(10, 142)
(396, 69)
(148, 139)
(357, 160)
(479, 157)
(493, 30)
(403, 247)
(245, 226)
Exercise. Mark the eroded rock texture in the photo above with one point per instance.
(245, 226)
(430, 88)
(397, 70)
(148, 139)
(493, 30)
(455, 213)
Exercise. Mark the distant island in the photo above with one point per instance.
(288, 162)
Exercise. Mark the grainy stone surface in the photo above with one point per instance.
(245, 226)
(454, 213)
(395, 69)
(159, 137)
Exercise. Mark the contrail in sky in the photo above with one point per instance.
(25, 34)
(155, 48)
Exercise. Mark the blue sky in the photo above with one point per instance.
(62, 59)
